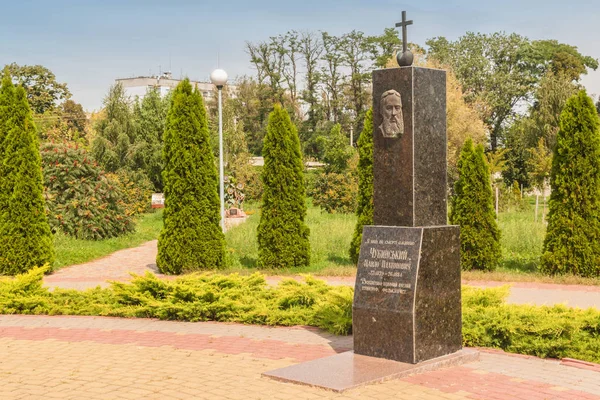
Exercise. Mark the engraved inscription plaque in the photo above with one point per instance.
(387, 268)
(407, 293)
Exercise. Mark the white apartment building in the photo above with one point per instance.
(165, 82)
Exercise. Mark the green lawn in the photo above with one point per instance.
(330, 235)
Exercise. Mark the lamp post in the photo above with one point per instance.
(219, 79)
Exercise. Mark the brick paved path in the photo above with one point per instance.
(120, 264)
(110, 358)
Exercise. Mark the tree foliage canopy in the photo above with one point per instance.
(44, 92)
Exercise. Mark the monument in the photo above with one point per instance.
(407, 299)
(407, 302)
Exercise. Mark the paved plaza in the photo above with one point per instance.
(46, 357)
(73, 357)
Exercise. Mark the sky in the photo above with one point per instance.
(90, 43)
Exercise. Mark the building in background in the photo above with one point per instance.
(165, 82)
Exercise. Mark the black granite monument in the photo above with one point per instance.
(407, 301)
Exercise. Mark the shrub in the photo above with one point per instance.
(336, 186)
(336, 151)
(25, 237)
(473, 211)
(191, 238)
(136, 190)
(336, 193)
(282, 234)
(572, 243)
(81, 200)
(488, 321)
(364, 209)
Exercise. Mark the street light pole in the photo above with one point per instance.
(219, 78)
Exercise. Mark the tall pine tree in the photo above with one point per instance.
(364, 210)
(191, 238)
(282, 234)
(572, 243)
(25, 237)
(473, 211)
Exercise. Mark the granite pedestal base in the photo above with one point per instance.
(407, 299)
(348, 370)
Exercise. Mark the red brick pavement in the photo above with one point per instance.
(496, 376)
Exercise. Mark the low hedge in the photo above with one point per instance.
(488, 321)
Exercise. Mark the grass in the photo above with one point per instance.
(70, 251)
(330, 236)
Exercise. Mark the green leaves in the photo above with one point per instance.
(82, 202)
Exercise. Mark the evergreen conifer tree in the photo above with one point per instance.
(191, 238)
(150, 115)
(572, 243)
(364, 210)
(112, 147)
(473, 211)
(7, 94)
(282, 234)
(25, 237)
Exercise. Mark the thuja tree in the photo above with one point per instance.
(282, 234)
(364, 209)
(7, 94)
(473, 211)
(191, 238)
(25, 237)
(572, 243)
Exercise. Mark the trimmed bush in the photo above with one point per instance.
(488, 321)
(81, 200)
(282, 234)
(473, 211)
(191, 238)
(25, 237)
(572, 243)
(364, 209)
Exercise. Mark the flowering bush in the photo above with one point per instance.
(81, 200)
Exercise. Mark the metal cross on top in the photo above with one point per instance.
(404, 24)
(406, 58)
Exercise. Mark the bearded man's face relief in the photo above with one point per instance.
(391, 111)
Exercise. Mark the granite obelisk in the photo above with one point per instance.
(407, 301)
